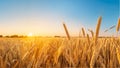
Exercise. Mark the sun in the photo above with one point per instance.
(30, 35)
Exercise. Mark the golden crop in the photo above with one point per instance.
(58, 52)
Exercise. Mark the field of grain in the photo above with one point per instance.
(59, 52)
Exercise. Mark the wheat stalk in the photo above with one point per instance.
(98, 48)
(83, 32)
(67, 33)
(2, 63)
(118, 54)
(98, 29)
(88, 39)
(118, 25)
(92, 33)
(109, 28)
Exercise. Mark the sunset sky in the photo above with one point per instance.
(45, 17)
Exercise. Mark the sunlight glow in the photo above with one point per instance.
(30, 35)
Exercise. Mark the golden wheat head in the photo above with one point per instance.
(83, 32)
(67, 33)
(118, 25)
(98, 28)
(88, 39)
(92, 33)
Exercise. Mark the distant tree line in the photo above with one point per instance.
(13, 36)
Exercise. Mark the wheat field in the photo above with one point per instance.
(72, 52)
(58, 52)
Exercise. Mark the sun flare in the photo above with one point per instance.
(30, 35)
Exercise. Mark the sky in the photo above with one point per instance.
(45, 17)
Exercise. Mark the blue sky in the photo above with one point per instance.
(45, 17)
